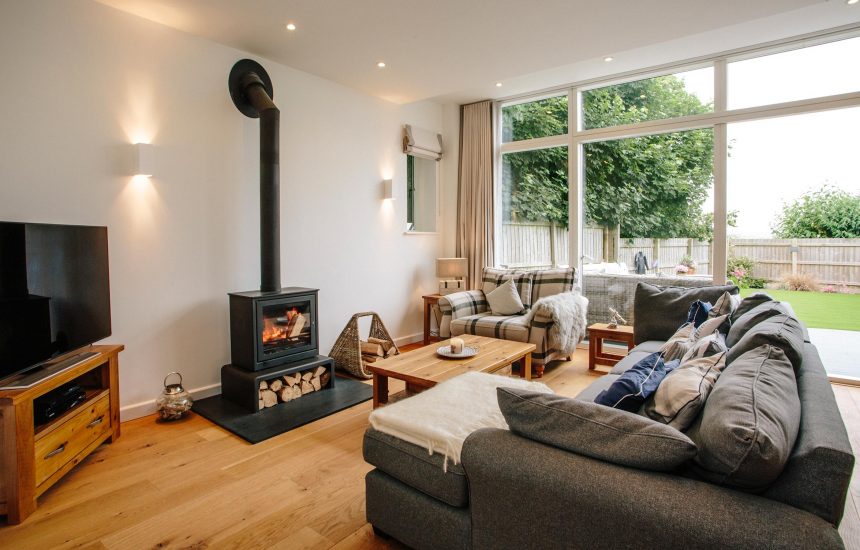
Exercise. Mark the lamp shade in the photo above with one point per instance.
(451, 267)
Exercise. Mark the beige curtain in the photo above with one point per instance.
(475, 190)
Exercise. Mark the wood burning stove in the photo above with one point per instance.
(268, 329)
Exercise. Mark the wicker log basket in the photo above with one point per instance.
(346, 351)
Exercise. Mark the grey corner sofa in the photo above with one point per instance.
(511, 491)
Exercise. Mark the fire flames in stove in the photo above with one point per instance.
(278, 331)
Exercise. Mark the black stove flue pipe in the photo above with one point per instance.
(251, 90)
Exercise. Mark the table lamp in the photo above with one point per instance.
(449, 271)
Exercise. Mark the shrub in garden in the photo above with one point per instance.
(801, 281)
(739, 270)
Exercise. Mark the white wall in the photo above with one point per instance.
(82, 80)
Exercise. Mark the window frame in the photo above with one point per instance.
(716, 120)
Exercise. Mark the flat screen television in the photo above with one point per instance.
(54, 291)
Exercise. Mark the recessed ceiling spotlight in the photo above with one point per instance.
(291, 26)
(381, 64)
(498, 84)
(608, 58)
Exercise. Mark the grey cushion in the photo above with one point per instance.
(750, 422)
(414, 466)
(782, 331)
(753, 317)
(706, 346)
(593, 430)
(659, 311)
(725, 305)
(682, 394)
(650, 346)
(593, 389)
(749, 303)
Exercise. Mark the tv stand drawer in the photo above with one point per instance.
(57, 447)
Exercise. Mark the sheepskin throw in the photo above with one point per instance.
(568, 312)
(441, 418)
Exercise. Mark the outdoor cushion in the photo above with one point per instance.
(682, 394)
(750, 422)
(504, 299)
(753, 317)
(659, 311)
(492, 278)
(633, 387)
(591, 430)
(782, 331)
(412, 465)
(549, 282)
(750, 303)
(504, 327)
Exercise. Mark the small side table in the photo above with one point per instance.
(430, 300)
(597, 333)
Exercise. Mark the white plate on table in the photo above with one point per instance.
(468, 351)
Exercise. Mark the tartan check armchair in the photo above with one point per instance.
(469, 313)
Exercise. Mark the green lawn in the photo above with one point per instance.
(819, 309)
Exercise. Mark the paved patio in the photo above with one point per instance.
(839, 351)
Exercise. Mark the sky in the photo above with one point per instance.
(775, 161)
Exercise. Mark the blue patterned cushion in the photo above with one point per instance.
(632, 388)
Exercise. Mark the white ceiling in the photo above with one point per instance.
(457, 49)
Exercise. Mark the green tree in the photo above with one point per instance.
(652, 186)
(825, 213)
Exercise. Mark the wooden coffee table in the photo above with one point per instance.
(423, 368)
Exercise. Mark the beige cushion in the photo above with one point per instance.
(682, 394)
(514, 328)
(676, 346)
(726, 305)
(710, 326)
(711, 344)
(505, 300)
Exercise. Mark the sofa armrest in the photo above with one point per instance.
(524, 494)
(460, 304)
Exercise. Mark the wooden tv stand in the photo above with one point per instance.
(33, 458)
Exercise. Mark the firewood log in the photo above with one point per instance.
(315, 382)
(319, 371)
(297, 391)
(324, 378)
(276, 385)
(386, 344)
(264, 385)
(372, 349)
(307, 375)
(286, 394)
(306, 387)
(270, 398)
(262, 405)
(369, 358)
(292, 379)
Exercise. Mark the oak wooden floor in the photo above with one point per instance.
(192, 485)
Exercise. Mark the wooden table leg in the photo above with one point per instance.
(527, 366)
(427, 307)
(380, 390)
(594, 343)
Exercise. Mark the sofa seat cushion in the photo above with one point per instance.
(750, 422)
(631, 359)
(504, 327)
(659, 311)
(592, 430)
(594, 389)
(412, 465)
(649, 346)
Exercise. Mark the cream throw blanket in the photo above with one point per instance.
(568, 311)
(440, 419)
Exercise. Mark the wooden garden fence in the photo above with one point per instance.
(541, 245)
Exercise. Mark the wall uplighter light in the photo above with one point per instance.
(142, 160)
(388, 189)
